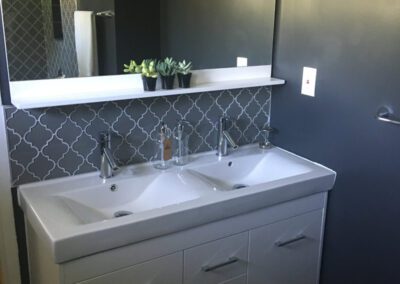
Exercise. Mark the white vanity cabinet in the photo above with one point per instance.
(278, 245)
(286, 252)
(221, 261)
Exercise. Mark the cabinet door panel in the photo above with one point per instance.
(287, 252)
(164, 270)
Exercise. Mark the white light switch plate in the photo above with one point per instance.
(242, 62)
(309, 81)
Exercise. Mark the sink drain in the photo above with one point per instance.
(239, 186)
(120, 214)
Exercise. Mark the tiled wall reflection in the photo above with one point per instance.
(23, 25)
(61, 54)
(33, 53)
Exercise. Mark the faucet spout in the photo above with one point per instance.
(110, 159)
(229, 138)
(107, 163)
(224, 138)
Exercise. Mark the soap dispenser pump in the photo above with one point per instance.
(181, 152)
(165, 148)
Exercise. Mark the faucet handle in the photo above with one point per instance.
(105, 138)
(104, 135)
(268, 129)
(226, 118)
(164, 132)
(223, 121)
(180, 128)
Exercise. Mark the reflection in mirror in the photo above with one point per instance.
(79, 38)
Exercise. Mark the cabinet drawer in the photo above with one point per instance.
(287, 252)
(238, 280)
(217, 261)
(164, 270)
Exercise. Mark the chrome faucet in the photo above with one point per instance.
(224, 138)
(107, 165)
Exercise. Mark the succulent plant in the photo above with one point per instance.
(167, 67)
(148, 67)
(184, 67)
(132, 68)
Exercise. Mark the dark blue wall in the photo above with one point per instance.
(356, 47)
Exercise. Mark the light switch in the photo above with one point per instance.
(309, 81)
(242, 62)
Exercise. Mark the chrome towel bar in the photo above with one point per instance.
(386, 115)
(107, 14)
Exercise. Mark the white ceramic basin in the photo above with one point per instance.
(124, 198)
(246, 171)
(69, 213)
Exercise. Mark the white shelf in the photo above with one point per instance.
(50, 93)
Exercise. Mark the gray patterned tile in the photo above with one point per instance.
(24, 153)
(123, 125)
(63, 141)
(135, 109)
(71, 162)
(69, 132)
(21, 120)
(41, 166)
(55, 149)
(51, 118)
(184, 105)
(38, 136)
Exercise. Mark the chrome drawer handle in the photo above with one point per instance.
(231, 260)
(291, 241)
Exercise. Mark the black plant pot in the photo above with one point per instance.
(184, 80)
(149, 83)
(167, 82)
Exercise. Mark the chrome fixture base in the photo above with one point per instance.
(265, 145)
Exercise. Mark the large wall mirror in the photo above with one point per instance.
(51, 39)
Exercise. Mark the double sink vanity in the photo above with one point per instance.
(254, 216)
(251, 215)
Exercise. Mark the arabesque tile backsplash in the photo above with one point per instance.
(63, 141)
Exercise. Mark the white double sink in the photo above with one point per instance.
(82, 215)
